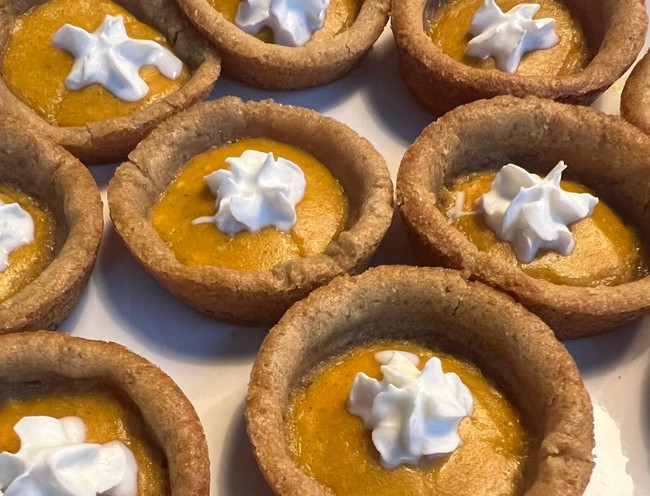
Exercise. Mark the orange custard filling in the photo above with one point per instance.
(35, 70)
(321, 215)
(331, 445)
(107, 418)
(449, 29)
(341, 14)
(607, 252)
(29, 260)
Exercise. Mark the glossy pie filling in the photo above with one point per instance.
(341, 14)
(449, 25)
(607, 251)
(331, 445)
(35, 70)
(108, 417)
(321, 215)
(28, 261)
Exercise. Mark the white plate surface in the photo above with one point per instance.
(211, 361)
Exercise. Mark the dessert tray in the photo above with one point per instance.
(211, 361)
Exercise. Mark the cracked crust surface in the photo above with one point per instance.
(615, 31)
(167, 413)
(274, 67)
(603, 152)
(238, 295)
(635, 99)
(39, 167)
(437, 308)
(110, 140)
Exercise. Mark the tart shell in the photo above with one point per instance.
(238, 295)
(167, 413)
(47, 172)
(274, 67)
(635, 99)
(615, 32)
(110, 140)
(602, 152)
(436, 308)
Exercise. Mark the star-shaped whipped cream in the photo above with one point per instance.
(109, 57)
(292, 22)
(508, 36)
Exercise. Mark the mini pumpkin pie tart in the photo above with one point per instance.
(635, 98)
(51, 224)
(573, 252)
(453, 52)
(110, 421)
(241, 209)
(96, 76)
(278, 45)
(412, 380)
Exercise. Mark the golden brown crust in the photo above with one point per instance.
(635, 99)
(167, 413)
(110, 140)
(436, 308)
(46, 171)
(603, 152)
(614, 29)
(275, 67)
(251, 296)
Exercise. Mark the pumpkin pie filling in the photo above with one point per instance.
(107, 415)
(331, 445)
(341, 14)
(27, 261)
(449, 29)
(35, 70)
(607, 251)
(321, 215)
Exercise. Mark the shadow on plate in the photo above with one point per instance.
(238, 471)
(394, 247)
(152, 315)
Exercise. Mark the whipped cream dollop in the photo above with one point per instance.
(110, 58)
(532, 213)
(16, 230)
(292, 21)
(53, 460)
(411, 413)
(508, 36)
(257, 191)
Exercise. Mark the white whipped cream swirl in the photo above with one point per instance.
(532, 213)
(110, 58)
(292, 22)
(53, 460)
(258, 191)
(16, 230)
(411, 413)
(508, 36)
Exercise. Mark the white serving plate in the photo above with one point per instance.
(211, 361)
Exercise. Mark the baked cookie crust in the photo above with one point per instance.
(166, 412)
(249, 296)
(436, 308)
(110, 140)
(635, 99)
(274, 67)
(603, 152)
(41, 168)
(615, 32)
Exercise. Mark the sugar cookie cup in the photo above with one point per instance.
(635, 98)
(44, 170)
(604, 153)
(275, 67)
(615, 33)
(437, 309)
(167, 414)
(251, 296)
(110, 140)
